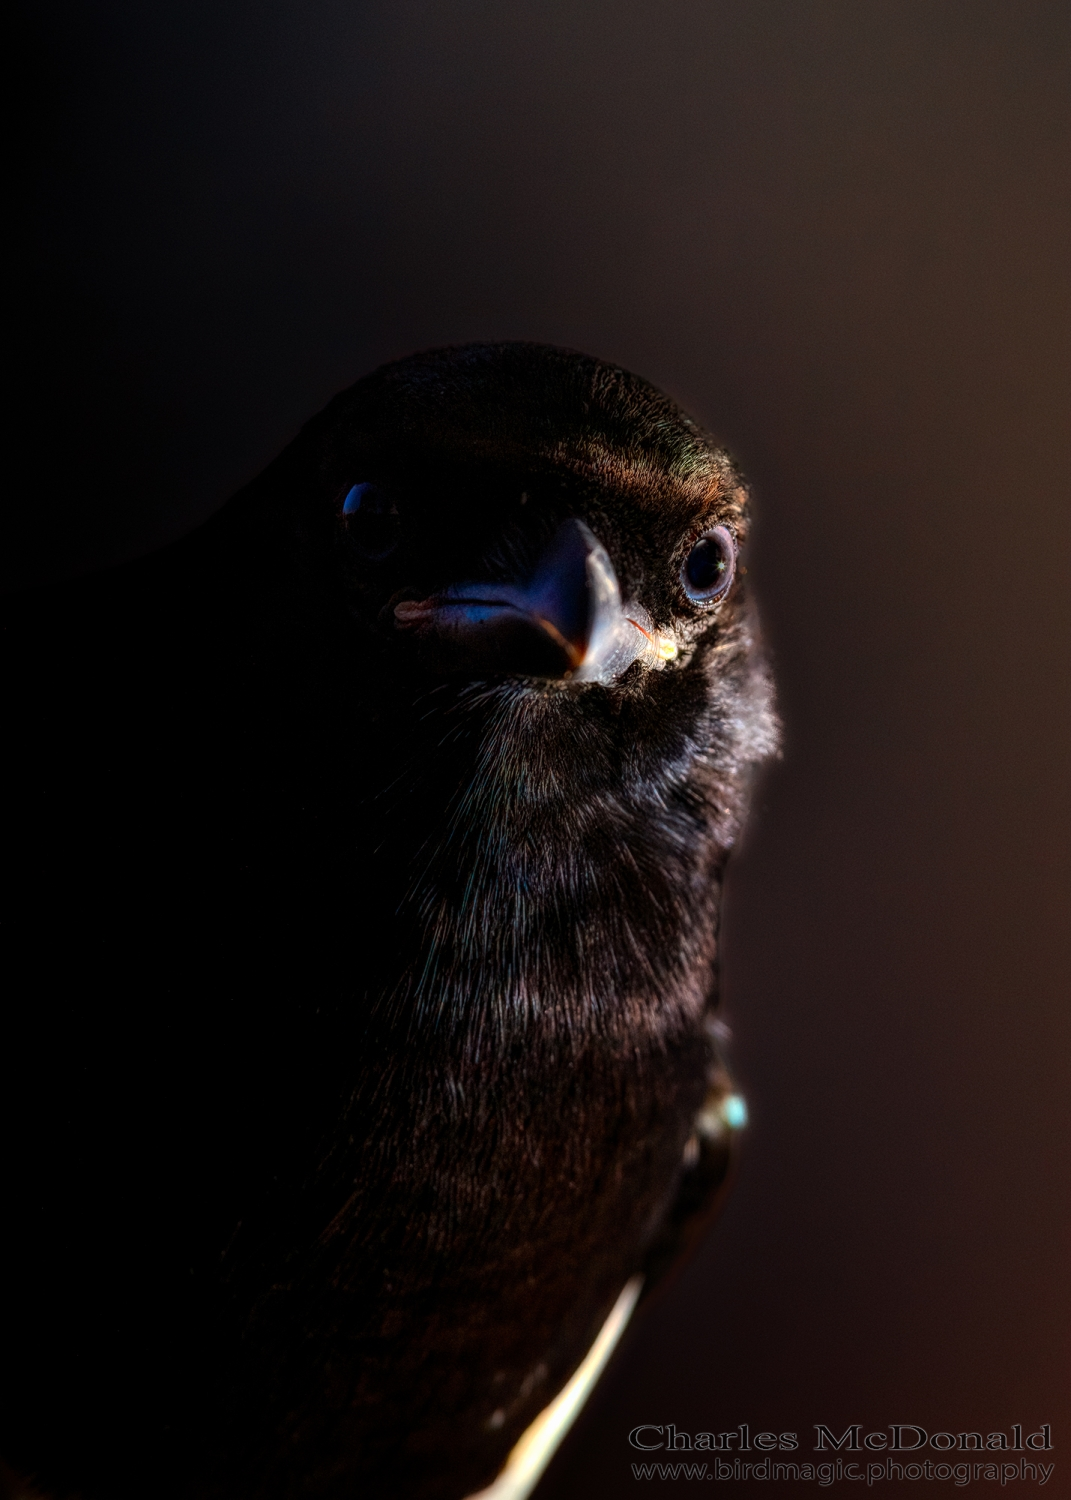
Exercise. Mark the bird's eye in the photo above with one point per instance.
(371, 521)
(708, 569)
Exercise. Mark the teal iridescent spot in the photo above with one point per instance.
(734, 1112)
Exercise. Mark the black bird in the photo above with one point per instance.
(364, 851)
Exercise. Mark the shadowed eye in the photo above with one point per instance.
(708, 568)
(372, 522)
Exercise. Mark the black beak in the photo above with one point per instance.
(565, 621)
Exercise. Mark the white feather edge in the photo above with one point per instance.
(537, 1445)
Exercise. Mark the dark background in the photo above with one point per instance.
(840, 234)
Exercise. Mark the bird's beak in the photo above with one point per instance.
(565, 621)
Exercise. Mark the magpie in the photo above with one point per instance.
(364, 851)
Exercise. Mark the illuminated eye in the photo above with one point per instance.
(708, 569)
(371, 521)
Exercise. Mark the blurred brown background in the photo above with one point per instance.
(840, 234)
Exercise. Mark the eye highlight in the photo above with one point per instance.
(371, 521)
(707, 571)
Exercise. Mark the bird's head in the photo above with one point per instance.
(522, 512)
(531, 563)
